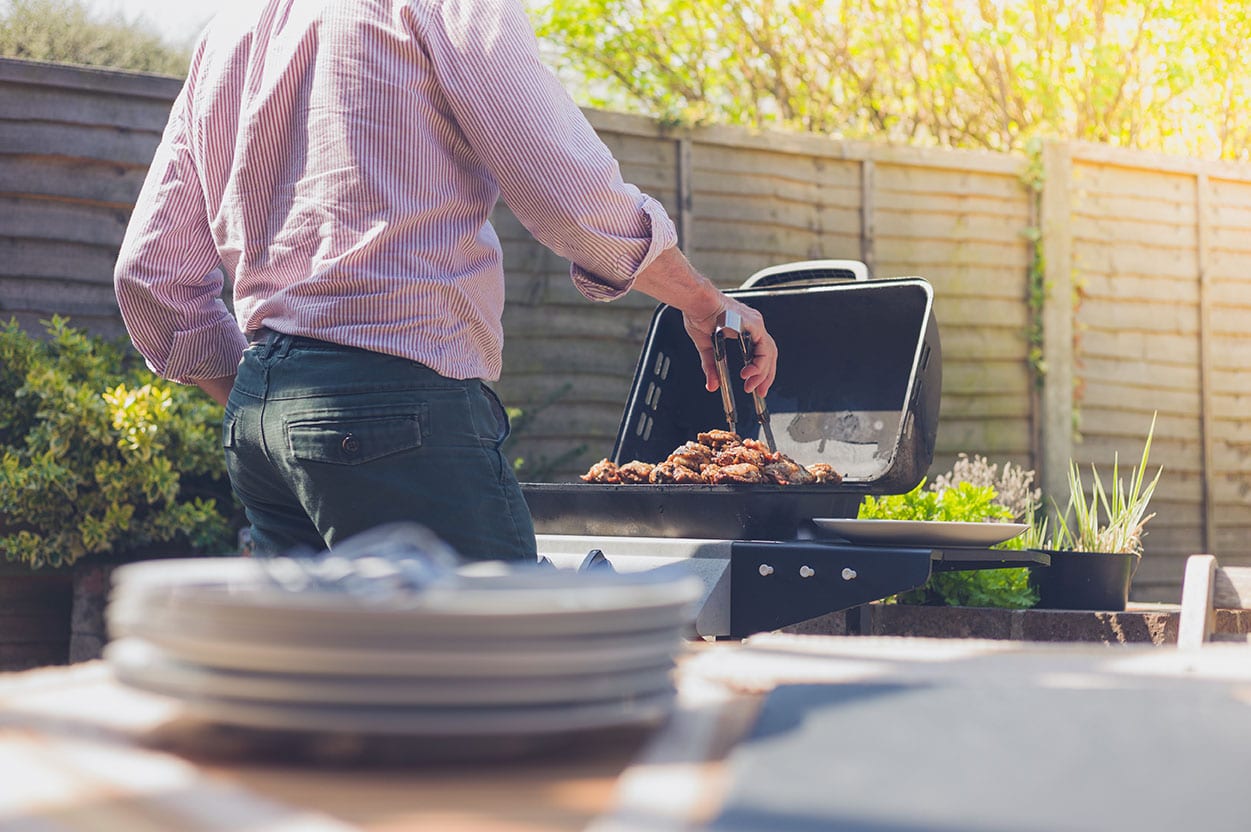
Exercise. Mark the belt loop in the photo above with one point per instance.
(271, 345)
(284, 345)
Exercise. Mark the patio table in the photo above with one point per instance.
(889, 734)
(777, 733)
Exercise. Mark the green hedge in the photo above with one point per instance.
(101, 456)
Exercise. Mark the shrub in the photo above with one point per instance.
(98, 455)
(65, 31)
(959, 501)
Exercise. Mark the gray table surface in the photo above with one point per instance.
(1010, 737)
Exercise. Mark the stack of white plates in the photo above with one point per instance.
(517, 652)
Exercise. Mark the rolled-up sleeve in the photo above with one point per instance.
(552, 170)
(168, 277)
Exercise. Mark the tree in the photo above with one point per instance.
(1168, 75)
(63, 31)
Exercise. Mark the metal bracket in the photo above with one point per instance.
(773, 585)
(956, 559)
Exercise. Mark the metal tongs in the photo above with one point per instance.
(733, 327)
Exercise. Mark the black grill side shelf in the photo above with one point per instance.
(774, 584)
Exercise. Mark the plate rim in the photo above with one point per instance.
(913, 531)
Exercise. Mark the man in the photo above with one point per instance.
(337, 162)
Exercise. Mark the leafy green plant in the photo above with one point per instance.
(98, 455)
(988, 75)
(958, 502)
(1113, 517)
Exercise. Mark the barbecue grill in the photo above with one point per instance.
(858, 387)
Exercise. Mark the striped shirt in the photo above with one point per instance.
(336, 161)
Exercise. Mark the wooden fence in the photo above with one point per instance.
(74, 147)
(1153, 247)
(1156, 253)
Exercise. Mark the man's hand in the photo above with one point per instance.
(757, 374)
(218, 388)
(671, 279)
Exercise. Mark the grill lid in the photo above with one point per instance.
(858, 384)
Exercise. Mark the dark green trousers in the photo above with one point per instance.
(324, 441)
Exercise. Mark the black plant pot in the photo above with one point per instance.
(1084, 580)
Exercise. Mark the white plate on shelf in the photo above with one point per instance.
(921, 532)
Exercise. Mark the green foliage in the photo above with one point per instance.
(98, 455)
(959, 502)
(1114, 518)
(1168, 76)
(64, 31)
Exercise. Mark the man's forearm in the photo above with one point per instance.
(218, 388)
(671, 279)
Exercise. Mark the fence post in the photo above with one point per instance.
(1057, 319)
(1203, 243)
(867, 228)
(682, 174)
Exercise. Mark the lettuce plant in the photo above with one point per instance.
(958, 502)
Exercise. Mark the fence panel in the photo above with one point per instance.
(1154, 251)
(74, 146)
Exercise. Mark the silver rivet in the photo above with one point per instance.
(765, 570)
(849, 574)
(806, 572)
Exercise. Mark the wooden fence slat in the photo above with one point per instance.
(1153, 236)
(1148, 375)
(950, 225)
(34, 218)
(1012, 256)
(1140, 400)
(78, 141)
(1144, 317)
(917, 179)
(1013, 213)
(45, 259)
(1132, 260)
(76, 180)
(66, 106)
(781, 213)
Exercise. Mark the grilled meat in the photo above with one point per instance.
(635, 471)
(787, 471)
(718, 457)
(741, 472)
(718, 439)
(603, 471)
(692, 455)
(823, 473)
(675, 473)
(739, 455)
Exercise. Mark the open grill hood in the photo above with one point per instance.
(858, 386)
